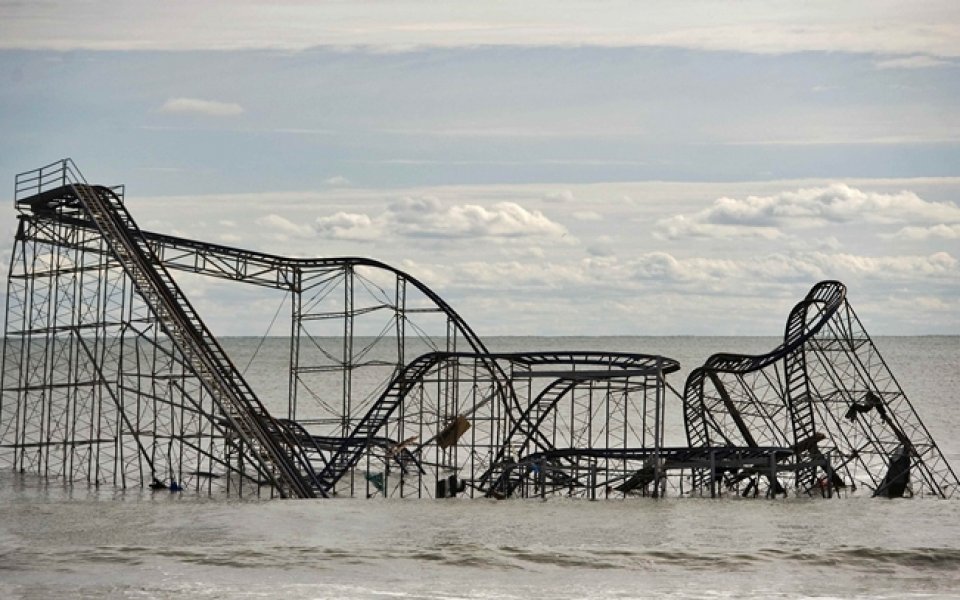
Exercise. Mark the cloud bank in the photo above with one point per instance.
(894, 28)
(427, 217)
(740, 250)
(766, 216)
(717, 276)
(942, 231)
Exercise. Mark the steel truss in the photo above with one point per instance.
(464, 420)
(82, 336)
(109, 376)
(825, 391)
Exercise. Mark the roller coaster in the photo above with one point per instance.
(110, 377)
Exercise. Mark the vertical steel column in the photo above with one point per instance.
(296, 305)
(97, 359)
(72, 392)
(49, 370)
(400, 322)
(420, 436)
(658, 421)
(126, 304)
(400, 309)
(20, 249)
(27, 365)
(348, 311)
(347, 362)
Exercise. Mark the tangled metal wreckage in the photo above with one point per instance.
(111, 377)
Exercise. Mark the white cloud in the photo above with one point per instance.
(947, 232)
(196, 106)
(337, 181)
(349, 226)
(426, 217)
(885, 267)
(285, 226)
(763, 216)
(918, 61)
(680, 226)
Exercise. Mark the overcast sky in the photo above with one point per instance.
(566, 168)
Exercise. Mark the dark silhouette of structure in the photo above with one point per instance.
(111, 377)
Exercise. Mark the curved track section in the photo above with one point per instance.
(170, 245)
(362, 437)
(826, 394)
(355, 321)
(106, 285)
(475, 431)
(316, 365)
(710, 389)
(538, 428)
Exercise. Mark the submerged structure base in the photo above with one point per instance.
(111, 377)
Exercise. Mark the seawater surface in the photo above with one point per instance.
(74, 542)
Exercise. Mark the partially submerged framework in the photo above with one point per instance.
(825, 391)
(110, 376)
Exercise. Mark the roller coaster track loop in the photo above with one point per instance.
(826, 298)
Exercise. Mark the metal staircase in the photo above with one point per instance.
(276, 453)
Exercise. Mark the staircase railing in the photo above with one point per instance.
(276, 450)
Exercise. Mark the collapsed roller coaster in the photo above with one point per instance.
(110, 377)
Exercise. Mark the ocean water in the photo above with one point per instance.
(73, 542)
